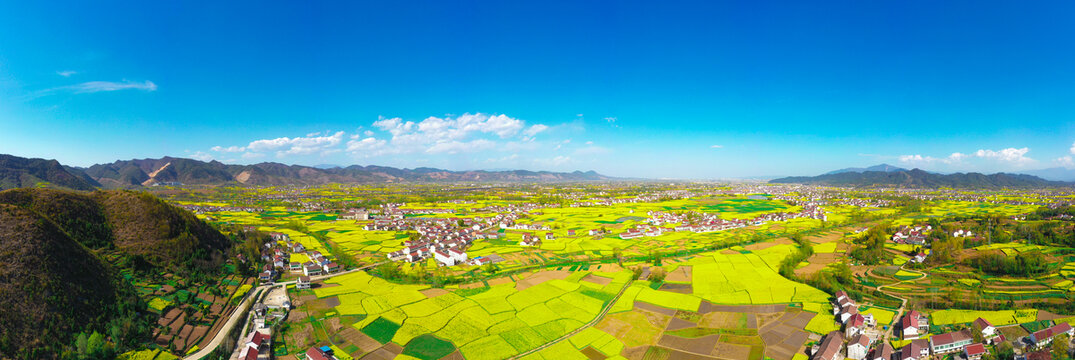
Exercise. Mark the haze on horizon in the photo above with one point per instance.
(631, 89)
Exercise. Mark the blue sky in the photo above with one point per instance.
(647, 89)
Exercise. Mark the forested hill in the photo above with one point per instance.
(55, 282)
(918, 178)
(23, 172)
(16, 172)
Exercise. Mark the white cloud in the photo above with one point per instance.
(610, 119)
(1012, 155)
(369, 146)
(556, 161)
(1065, 161)
(1072, 150)
(990, 158)
(229, 149)
(504, 159)
(453, 147)
(465, 133)
(297, 146)
(955, 157)
(589, 143)
(99, 86)
(716, 147)
(252, 155)
(592, 150)
(66, 73)
(535, 129)
(198, 155)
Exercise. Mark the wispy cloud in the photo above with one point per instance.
(716, 146)
(66, 73)
(229, 149)
(90, 87)
(99, 86)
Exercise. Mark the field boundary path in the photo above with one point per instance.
(903, 304)
(583, 327)
(241, 311)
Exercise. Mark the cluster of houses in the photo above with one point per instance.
(278, 259)
(847, 312)
(442, 240)
(913, 325)
(962, 233)
(911, 235)
(704, 222)
(257, 345)
(319, 353)
(202, 209)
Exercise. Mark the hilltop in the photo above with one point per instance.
(917, 178)
(132, 223)
(881, 168)
(18, 172)
(51, 288)
(56, 282)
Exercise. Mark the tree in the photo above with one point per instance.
(1005, 350)
(82, 345)
(1060, 346)
(96, 345)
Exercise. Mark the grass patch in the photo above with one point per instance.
(381, 330)
(428, 347)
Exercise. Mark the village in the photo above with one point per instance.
(862, 339)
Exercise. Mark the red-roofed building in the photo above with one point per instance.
(950, 342)
(315, 353)
(974, 351)
(854, 325)
(1045, 336)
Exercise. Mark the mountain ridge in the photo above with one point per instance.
(879, 167)
(918, 178)
(16, 172)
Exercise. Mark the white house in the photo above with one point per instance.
(303, 282)
(857, 347)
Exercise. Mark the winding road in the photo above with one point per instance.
(583, 327)
(903, 304)
(242, 310)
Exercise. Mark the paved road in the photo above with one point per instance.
(589, 324)
(241, 311)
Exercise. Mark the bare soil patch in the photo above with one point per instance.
(635, 353)
(599, 280)
(654, 308)
(674, 354)
(800, 320)
(456, 355)
(379, 354)
(677, 323)
(767, 244)
(433, 292)
(364, 342)
(678, 288)
(540, 277)
(731, 351)
(682, 273)
(499, 281)
(702, 345)
(593, 354)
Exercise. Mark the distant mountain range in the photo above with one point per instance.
(881, 168)
(22, 172)
(917, 178)
(1054, 174)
